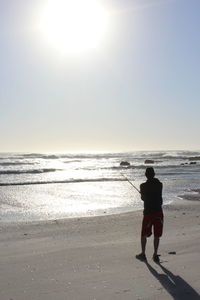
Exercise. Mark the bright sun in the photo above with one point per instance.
(73, 26)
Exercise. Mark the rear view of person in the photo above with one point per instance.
(151, 194)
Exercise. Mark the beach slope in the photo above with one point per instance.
(94, 258)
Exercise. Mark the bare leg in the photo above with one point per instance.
(143, 243)
(156, 244)
(142, 255)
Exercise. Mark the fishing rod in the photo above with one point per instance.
(130, 182)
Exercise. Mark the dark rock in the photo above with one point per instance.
(193, 163)
(124, 163)
(149, 161)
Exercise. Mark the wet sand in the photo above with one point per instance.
(94, 258)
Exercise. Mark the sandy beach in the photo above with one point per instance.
(94, 258)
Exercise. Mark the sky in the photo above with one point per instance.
(137, 89)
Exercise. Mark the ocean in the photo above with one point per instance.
(46, 186)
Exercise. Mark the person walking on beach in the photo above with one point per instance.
(151, 194)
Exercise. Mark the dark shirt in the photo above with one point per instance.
(151, 194)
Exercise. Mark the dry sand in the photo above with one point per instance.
(94, 258)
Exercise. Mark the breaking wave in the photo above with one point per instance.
(15, 163)
(63, 181)
(15, 172)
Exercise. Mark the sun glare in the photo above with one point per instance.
(73, 26)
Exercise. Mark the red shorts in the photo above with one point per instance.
(152, 220)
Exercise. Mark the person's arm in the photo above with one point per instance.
(161, 188)
(142, 192)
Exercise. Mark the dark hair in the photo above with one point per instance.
(150, 173)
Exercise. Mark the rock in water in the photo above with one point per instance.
(149, 161)
(124, 163)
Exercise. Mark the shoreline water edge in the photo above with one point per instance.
(36, 187)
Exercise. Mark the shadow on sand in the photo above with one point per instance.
(176, 286)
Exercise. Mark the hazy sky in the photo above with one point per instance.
(139, 89)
